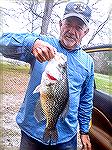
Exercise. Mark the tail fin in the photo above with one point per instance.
(50, 135)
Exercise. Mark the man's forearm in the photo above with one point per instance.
(17, 46)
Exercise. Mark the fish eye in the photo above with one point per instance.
(63, 66)
(59, 65)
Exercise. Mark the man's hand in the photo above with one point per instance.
(43, 51)
(86, 145)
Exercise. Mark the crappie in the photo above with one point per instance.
(53, 94)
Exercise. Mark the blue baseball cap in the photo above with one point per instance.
(78, 9)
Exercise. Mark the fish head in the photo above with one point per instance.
(55, 69)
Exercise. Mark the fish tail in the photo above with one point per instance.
(50, 135)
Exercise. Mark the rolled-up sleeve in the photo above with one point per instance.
(86, 102)
(17, 46)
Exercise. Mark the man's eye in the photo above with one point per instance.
(78, 28)
(67, 24)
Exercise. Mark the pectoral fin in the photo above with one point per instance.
(37, 89)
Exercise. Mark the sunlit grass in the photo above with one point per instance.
(13, 67)
(104, 83)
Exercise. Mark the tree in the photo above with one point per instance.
(101, 25)
(43, 18)
(36, 14)
(47, 15)
(39, 16)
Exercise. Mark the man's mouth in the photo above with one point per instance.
(70, 37)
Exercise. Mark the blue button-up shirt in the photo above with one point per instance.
(80, 79)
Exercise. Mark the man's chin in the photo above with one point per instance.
(69, 46)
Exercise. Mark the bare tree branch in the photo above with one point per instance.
(97, 1)
(58, 2)
(36, 15)
(100, 27)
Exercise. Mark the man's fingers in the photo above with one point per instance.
(84, 146)
(51, 53)
(40, 55)
(39, 59)
(51, 50)
(89, 146)
(43, 51)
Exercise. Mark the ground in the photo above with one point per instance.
(14, 83)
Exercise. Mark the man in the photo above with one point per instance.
(37, 50)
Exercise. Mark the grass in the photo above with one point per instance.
(12, 67)
(104, 83)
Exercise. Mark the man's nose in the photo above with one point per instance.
(72, 30)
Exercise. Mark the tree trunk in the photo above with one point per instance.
(47, 15)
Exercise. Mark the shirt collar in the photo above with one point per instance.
(75, 49)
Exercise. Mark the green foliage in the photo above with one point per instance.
(10, 67)
(104, 83)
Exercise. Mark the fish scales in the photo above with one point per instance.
(54, 96)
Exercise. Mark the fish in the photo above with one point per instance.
(54, 94)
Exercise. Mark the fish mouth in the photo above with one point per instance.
(51, 77)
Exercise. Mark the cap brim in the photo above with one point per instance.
(76, 15)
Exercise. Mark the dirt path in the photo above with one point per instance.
(10, 130)
(14, 83)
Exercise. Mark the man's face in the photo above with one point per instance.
(72, 30)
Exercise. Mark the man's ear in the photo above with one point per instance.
(60, 23)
